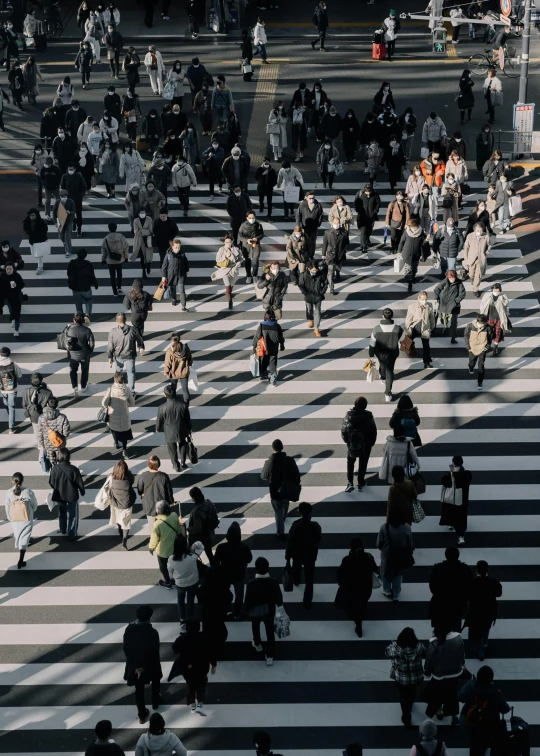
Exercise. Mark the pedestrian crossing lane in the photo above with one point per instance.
(64, 614)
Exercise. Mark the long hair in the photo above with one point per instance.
(180, 549)
(136, 294)
(17, 480)
(120, 470)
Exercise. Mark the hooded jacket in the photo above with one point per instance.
(396, 452)
(119, 397)
(177, 364)
(81, 275)
(35, 399)
(359, 421)
(116, 243)
(55, 420)
(449, 296)
(275, 288)
(123, 342)
(413, 245)
(313, 288)
(233, 555)
(66, 482)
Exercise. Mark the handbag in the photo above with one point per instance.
(452, 495)
(260, 349)
(282, 623)
(368, 364)
(398, 264)
(376, 581)
(424, 153)
(273, 128)
(515, 204)
(508, 328)
(287, 578)
(418, 512)
(193, 381)
(103, 412)
(462, 273)
(254, 365)
(116, 256)
(104, 498)
(168, 91)
(193, 454)
(160, 292)
(465, 189)
(291, 194)
(44, 462)
(408, 346)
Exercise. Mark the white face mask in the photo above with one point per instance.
(251, 220)
(297, 236)
(495, 293)
(236, 157)
(274, 271)
(458, 140)
(71, 172)
(326, 146)
(349, 116)
(478, 234)
(142, 216)
(190, 130)
(215, 145)
(311, 201)
(335, 225)
(238, 193)
(423, 302)
(63, 200)
(61, 135)
(5, 249)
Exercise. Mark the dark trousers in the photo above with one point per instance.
(114, 62)
(390, 47)
(74, 367)
(251, 260)
(238, 588)
(2, 120)
(387, 374)
(115, 273)
(309, 574)
(149, 15)
(175, 447)
(139, 696)
(455, 32)
(78, 214)
(426, 351)
(321, 37)
(162, 562)
(256, 630)
(184, 386)
(434, 146)
(363, 460)
(407, 694)
(68, 517)
(268, 364)
(165, 5)
(395, 238)
(183, 197)
(196, 689)
(442, 693)
(178, 291)
(268, 202)
(235, 226)
(365, 232)
(211, 185)
(481, 359)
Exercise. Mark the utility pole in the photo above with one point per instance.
(526, 43)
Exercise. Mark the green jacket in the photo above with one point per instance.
(166, 528)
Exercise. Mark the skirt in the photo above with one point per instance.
(121, 517)
(497, 329)
(121, 437)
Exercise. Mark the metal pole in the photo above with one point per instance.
(524, 75)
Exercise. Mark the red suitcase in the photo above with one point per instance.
(379, 51)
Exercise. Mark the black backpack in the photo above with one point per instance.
(8, 377)
(356, 442)
(421, 751)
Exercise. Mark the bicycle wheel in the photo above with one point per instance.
(511, 69)
(478, 64)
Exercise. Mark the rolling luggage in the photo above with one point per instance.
(516, 736)
(378, 51)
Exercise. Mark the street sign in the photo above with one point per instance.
(523, 127)
(506, 7)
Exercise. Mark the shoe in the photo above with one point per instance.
(477, 294)
(193, 708)
(455, 722)
(20, 565)
(349, 487)
(317, 333)
(427, 365)
(409, 287)
(460, 541)
(269, 661)
(313, 45)
(120, 293)
(79, 234)
(310, 324)
(496, 350)
(15, 334)
(471, 371)
(183, 466)
(212, 670)
(168, 586)
(211, 198)
(440, 715)
(200, 709)
(175, 303)
(39, 271)
(87, 320)
(184, 309)
(76, 393)
(479, 387)
(273, 381)
(257, 647)
(358, 631)
(453, 341)
(388, 594)
(11, 431)
(406, 721)
(83, 390)
(124, 544)
(360, 487)
(176, 467)
(144, 717)
(388, 397)
(249, 279)
(157, 705)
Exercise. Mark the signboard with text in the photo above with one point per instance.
(523, 127)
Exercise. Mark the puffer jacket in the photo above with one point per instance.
(396, 452)
(118, 398)
(477, 337)
(459, 170)
(177, 364)
(117, 243)
(81, 342)
(35, 400)
(273, 336)
(449, 296)
(122, 492)
(313, 288)
(362, 422)
(416, 314)
(448, 245)
(413, 245)
(55, 420)
(164, 532)
(434, 129)
(433, 173)
(297, 251)
(275, 288)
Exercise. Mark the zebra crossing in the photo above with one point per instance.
(63, 616)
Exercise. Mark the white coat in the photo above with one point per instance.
(177, 80)
(278, 140)
(65, 92)
(131, 168)
(22, 531)
(107, 17)
(160, 66)
(111, 131)
(259, 34)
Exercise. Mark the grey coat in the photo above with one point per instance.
(142, 241)
(400, 538)
(22, 530)
(109, 167)
(120, 398)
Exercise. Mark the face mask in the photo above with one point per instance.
(238, 193)
(63, 200)
(311, 201)
(335, 226)
(368, 194)
(495, 293)
(313, 273)
(266, 165)
(423, 302)
(142, 216)
(75, 108)
(297, 236)
(317, 90)
(111, 91)
(326, 146)
(251, 220)
(176, 112)
(215, 145)
(195, 65)
(71, 172)
(399, 198)
(386, 89)
(190, 130)
(274, 271)
(83, 149)
(478, 234)
(150, 188)
(487, 131)
(61, 135)
(350, 115)
(457, 140)
(5, 249)
(236, 157)
(417, 173)
(110, 31)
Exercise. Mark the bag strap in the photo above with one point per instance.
(169, 525)
(151, 484)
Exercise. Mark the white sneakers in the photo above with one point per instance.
(388, 397)
(269, 661)
(83, 390)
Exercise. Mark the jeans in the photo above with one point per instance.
(426, 351)
(260, 49)
(238, 587)
(481, 359)
(178, 291)
(83, 301)
(73, 368)
(268, 364)
(407, 694)
(10, 399)
(387, 374)
(49, 194)
(139, 695)
(115, 273)
(313, 312)
(363, 460)
(503, 217)
(392, 586)
(309, 573)
(184, 386)
(184, 595)
(65, 236)
(68, 517)
(407, 146)
(269, 627)
(281, 509)
(127, 365)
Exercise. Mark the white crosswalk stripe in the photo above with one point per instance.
(63, 616)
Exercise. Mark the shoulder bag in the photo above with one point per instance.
(413, 473)
(418, 512)
(452, 495)
(113, 255)
(103, 412)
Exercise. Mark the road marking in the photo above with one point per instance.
(265, 95)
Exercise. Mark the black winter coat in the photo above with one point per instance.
(238, 207)
(37, 232)
(81, 340)
(81, 275)
(474, 218)
(370, 131)
(277, 468)
(304, 539)
(450, 583)
(350, 128)
(174, 267)
(75, 185)
(273, 336)
(173, 417)
(361, 421)
(141, 648)
(64, 150)
(51, 177)
(413, 247)
(66, 482)
(449, 296)
(249, 231)
(482, 611)
(334, 245)
(448, 245)
(164, 231)
(139, 309)
(314, 287)
(233, 555)
(310, 220)
(193, 660)
(265, 590)
(275, 288)
(74, 118)
(355, 575)
(35, 400)
(113, 105)
(399, 415)
(266, 180)
(367, 208)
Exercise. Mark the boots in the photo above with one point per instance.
(124, 540)
(21, 562)
(120, 531)
(228, 296)
(495, 350)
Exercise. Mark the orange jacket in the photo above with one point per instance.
(438, 173)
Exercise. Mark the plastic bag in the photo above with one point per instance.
(167, 293)
(282, 623)
(372, 374)
(398, 264)
(424, 152)
(193, 381)
(254, 365)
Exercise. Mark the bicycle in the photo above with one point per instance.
(505, 60)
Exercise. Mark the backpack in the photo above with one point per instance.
(421, 751)
(8, 377)
(18, 511)
(409, 427)
(355, 443)
(479, 713)
(211, 516)
(55, 438)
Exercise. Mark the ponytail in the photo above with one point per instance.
(17, 481)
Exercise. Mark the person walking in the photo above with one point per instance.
(395, 543)
(455, 498)
(401, 495)
(359, 432)
(367, 204)
(143, 667)
(312, 283)
(184, 574)
(174, 419)
(212, 164)
(419, 323)
(165, 229)
(193, 663)
(238, 205)
(140, 304)
(174, 272)
(397, 218)
(334, 249)
(222, 99)
(281, 473)
(122, 345)
(326, 159)
(109, 168)
(182, 179)
(398, 451)
(154, 485)
(320, 20)
(250, 235)
(65, 229)
(493, 93)
(413, 246)
(391, 26)
(53, 432)
(277, 129)
(143, 227)
(260, 40)
(482, 612)
(475, 253)
(165, 530)
(494, 305)
(114, 43)
(11, 294)
(158, 740)
(355, 583)
(274, 282)
(16, 83)
(135, 201)
(408, 124)
(215, 598)
(81, 343)
(297, 254)
(114, 253)
(504, 190)
(465, 99)
(232, 557)
(448, 297)
(153, 60)
(451, 198)
(81, 278)
(303, 548)
(118, 398)
(263, 596)
(266, 178)
(123, 496)
(394, 159)
(406, 653)
(35, 400)
(483, 705)
(413, 189)
(131, 165)
(202, 522)
(104, 744)
(67, 485)
(445, 659)
(289, 176)
(178, 361)
(485, 142)
(478, 336)
(448, 242)
(299, 115)
(428, 741)
(228, 262)
(433, 132)
(31, 72)
(271, 334)
(450, 586)
(309, 215)
(407, 419)
(21, 506)
(50, 177)
(384, 345)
